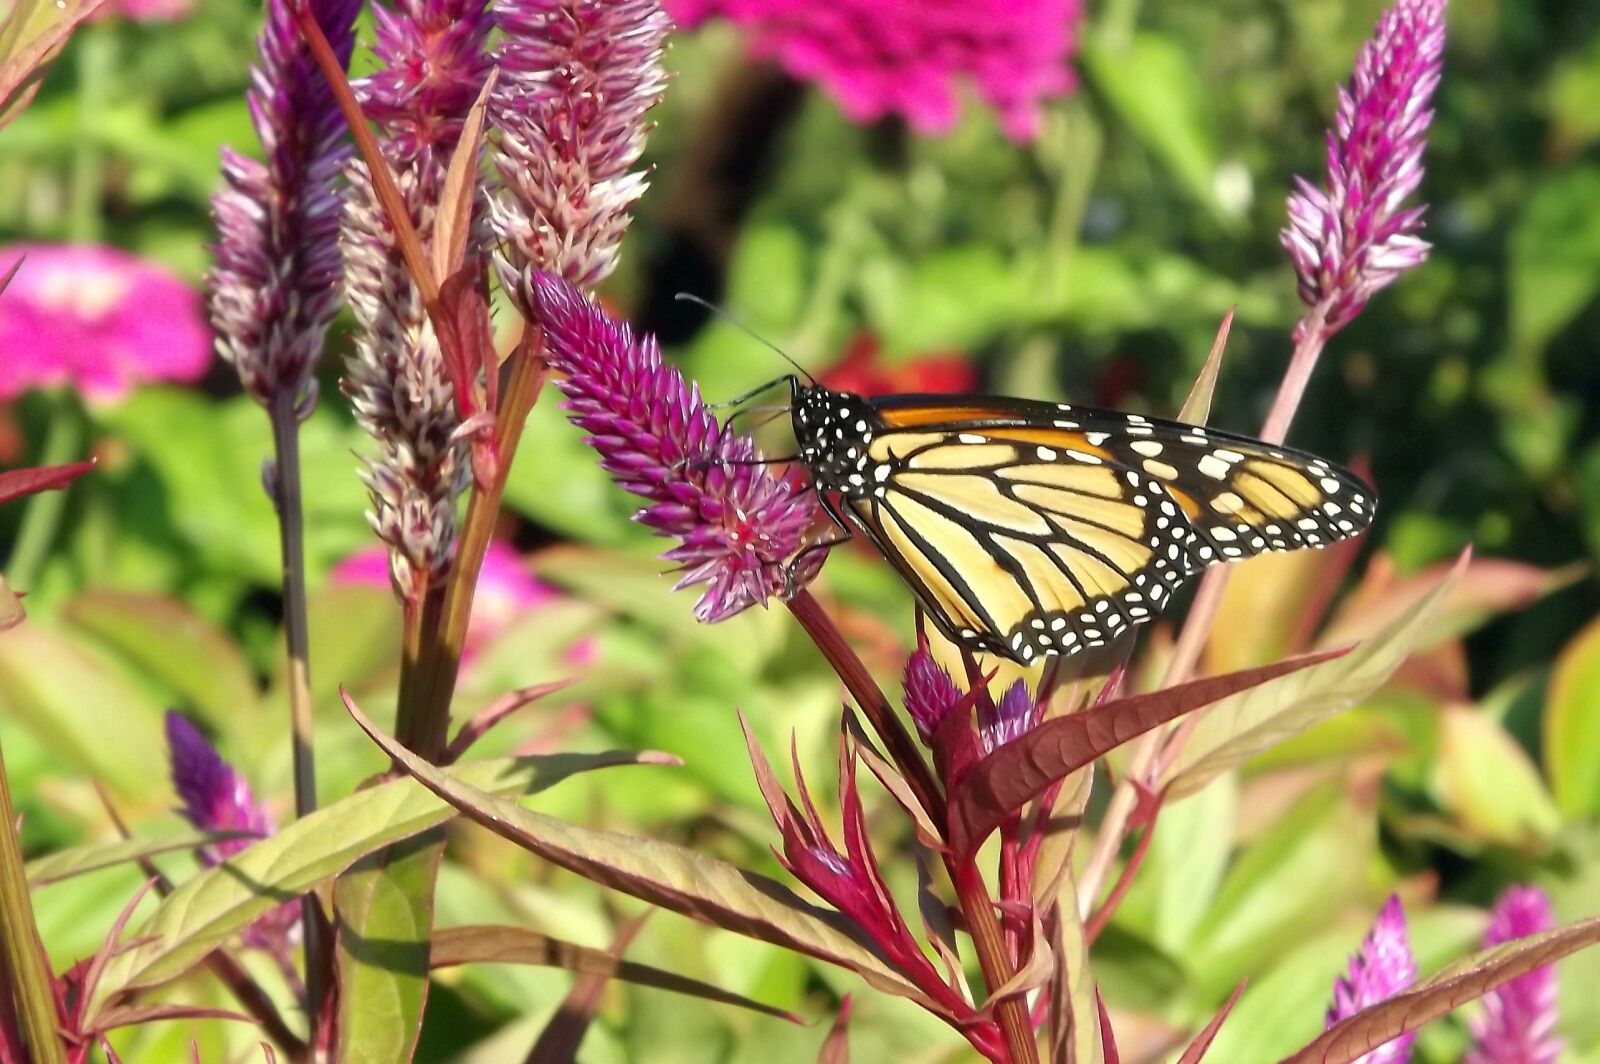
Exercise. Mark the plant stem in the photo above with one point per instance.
(21, 950)
(96, 58)
(971, 892)
(427, 682)
(1158, 748)
(64, 435)
(291, 531)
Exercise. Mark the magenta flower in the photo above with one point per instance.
(576, 79)
(739, 524)
(1517, 1025)
(1353, 238)
(432, 65)
(96, 319)
(1382, 968)
(930, 693)
(276, 286)
(908, 57)
(217, 798)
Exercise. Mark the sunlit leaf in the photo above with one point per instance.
(1020, 770)
(673, 877)
(1353, 1038)
(206, 910)
(1487, 780)
(94, 856)
(1572, 725)
(171, 642)
(31, 35)
(500, 944)
(1238, 728)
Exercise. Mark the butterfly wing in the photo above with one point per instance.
(1029, 529)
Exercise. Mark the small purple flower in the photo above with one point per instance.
(576, 79)
(1013, 717)
(1352, 239)
(740, 525)
(276, 287)
(1382, 968)
(930, 693)
(1517, 1025)
(217, 798)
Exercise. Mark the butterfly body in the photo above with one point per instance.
(1029, 529)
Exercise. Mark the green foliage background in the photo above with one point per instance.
(1093, 265)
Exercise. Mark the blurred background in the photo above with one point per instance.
(1091, 264)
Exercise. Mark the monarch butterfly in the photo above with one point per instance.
(1029, 529)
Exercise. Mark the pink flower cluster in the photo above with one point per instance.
(95, 318)
(906, 57)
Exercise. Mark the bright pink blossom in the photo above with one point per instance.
(908, 57)
(96, 319)
(1518, 1022)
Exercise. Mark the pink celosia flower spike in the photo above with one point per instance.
(908, 57)
(275, 287)
(432, 64)
(1353, 238)
(740, 525)
(1517, 1025)
(1381, 969)
(576, 79)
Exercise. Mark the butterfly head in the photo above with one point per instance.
(833, 430)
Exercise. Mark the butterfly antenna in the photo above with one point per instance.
(686, 297)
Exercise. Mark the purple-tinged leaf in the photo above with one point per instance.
(674, 877)
(452, 225)
(15, 483)
(32, 34)
(836, 1047)
(1002, 783)
(499, 944)
(559, 1041)
(138, 1013)
(1108, 1037)
(1471, 978)
(1202, 1042)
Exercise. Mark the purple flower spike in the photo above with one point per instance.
(433, 63)
(1012, 718)
(930, 692)
(276, 287)
(740, 525)
(1517, 1025)
(216, 798)
(1352, 239)
(1382, 968)
(576, 79)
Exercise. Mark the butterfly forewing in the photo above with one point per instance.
(1030, 529)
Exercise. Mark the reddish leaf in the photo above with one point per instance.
(32, 34)
(1108, 1037)
(495, 944)
(1353, 1038)
(16, 483)
(452, 224)
(836, 1047)
(559, 1041)
(1202, 1042)
(1019, 771)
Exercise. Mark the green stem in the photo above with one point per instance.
(291, 530)
(65, 431)
(23, 953)
(97, 52)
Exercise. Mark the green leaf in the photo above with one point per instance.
(1572, 726)
(1154, 88)
(92, 857)
(205, 911)
(385, 910)
(171, 642)
(673, 877)
(1236, 729)
(84, 707)
(1465, 981)
(499, 944)
(1488, 781)
(1553, 265)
